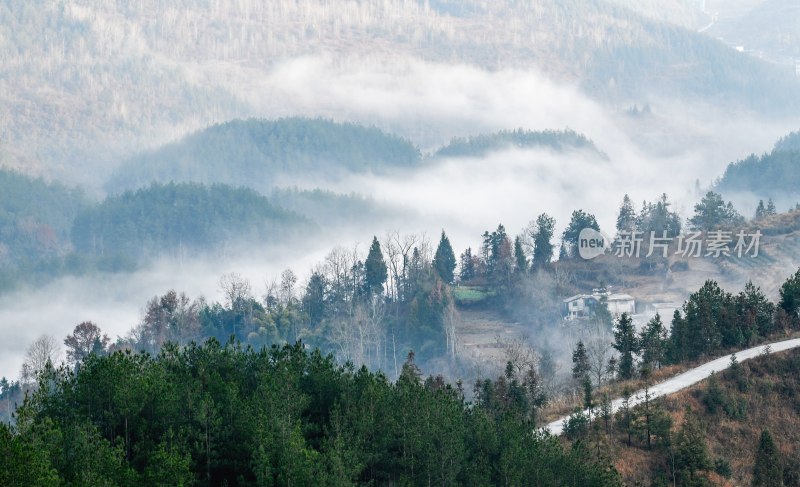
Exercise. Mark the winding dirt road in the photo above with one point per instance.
(686, 379)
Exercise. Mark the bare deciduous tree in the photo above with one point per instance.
(43, 350)
(287, 287)
(598, 347)
(236, 289)
(519, 353)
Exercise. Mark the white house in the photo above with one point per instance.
(620, 303)
(583, 305)
(578, 306)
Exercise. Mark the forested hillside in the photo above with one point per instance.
(263, 153)
(480, 145)
(334, 210)
(768, 27)
(223, 415)
(35, 222)
(47, 230)
(771, 175)
(788, 143)
(161, 219)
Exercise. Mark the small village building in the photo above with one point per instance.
(584, 305)
(620, 303)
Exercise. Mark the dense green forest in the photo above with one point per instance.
(233, 414)
(165, 218)
(225, 415)
(256, 153)
(480, 145)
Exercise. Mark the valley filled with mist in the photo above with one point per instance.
(401, 185)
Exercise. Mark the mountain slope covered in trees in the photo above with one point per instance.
(223, 415)
(47, 230)
(259, 153)
(481, 145)
(165, 218)
(35, 222)
(772, 175)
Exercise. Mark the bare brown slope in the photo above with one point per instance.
(769, 398)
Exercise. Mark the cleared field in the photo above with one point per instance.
(483, 336)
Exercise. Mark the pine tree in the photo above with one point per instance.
(625, 414)
(498, 257)
(737, 374)
(767, 471)
(657, 217)
(579, 221)
(755, 313)
(521, 261)
(761, 211)
(709, 312)
(580, 362)
(542, 242)
(375, 269)
(712, 212)
(586, 384)
(653, 343)
(790, 296)
(691, 451)
(626, 219)
(625, 343)
(678, 346)
(468, 270)
(771, 210)
(444, 261)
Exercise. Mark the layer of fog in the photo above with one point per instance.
(429, 103)
(432, 102)
(116, 302)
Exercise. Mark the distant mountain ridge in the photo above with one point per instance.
(259, 153)
(256, 152)
(480, 145)
(48, 230)
(161, 219)
(773, 175)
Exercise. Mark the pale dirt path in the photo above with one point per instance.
(686, 379)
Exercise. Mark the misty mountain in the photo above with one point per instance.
(174, 218)
(774, 175)
(86, 83)
(768, 28)
(35, 222)
(481, 145)
(789, 143)
(329, 209)
(259, 153)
